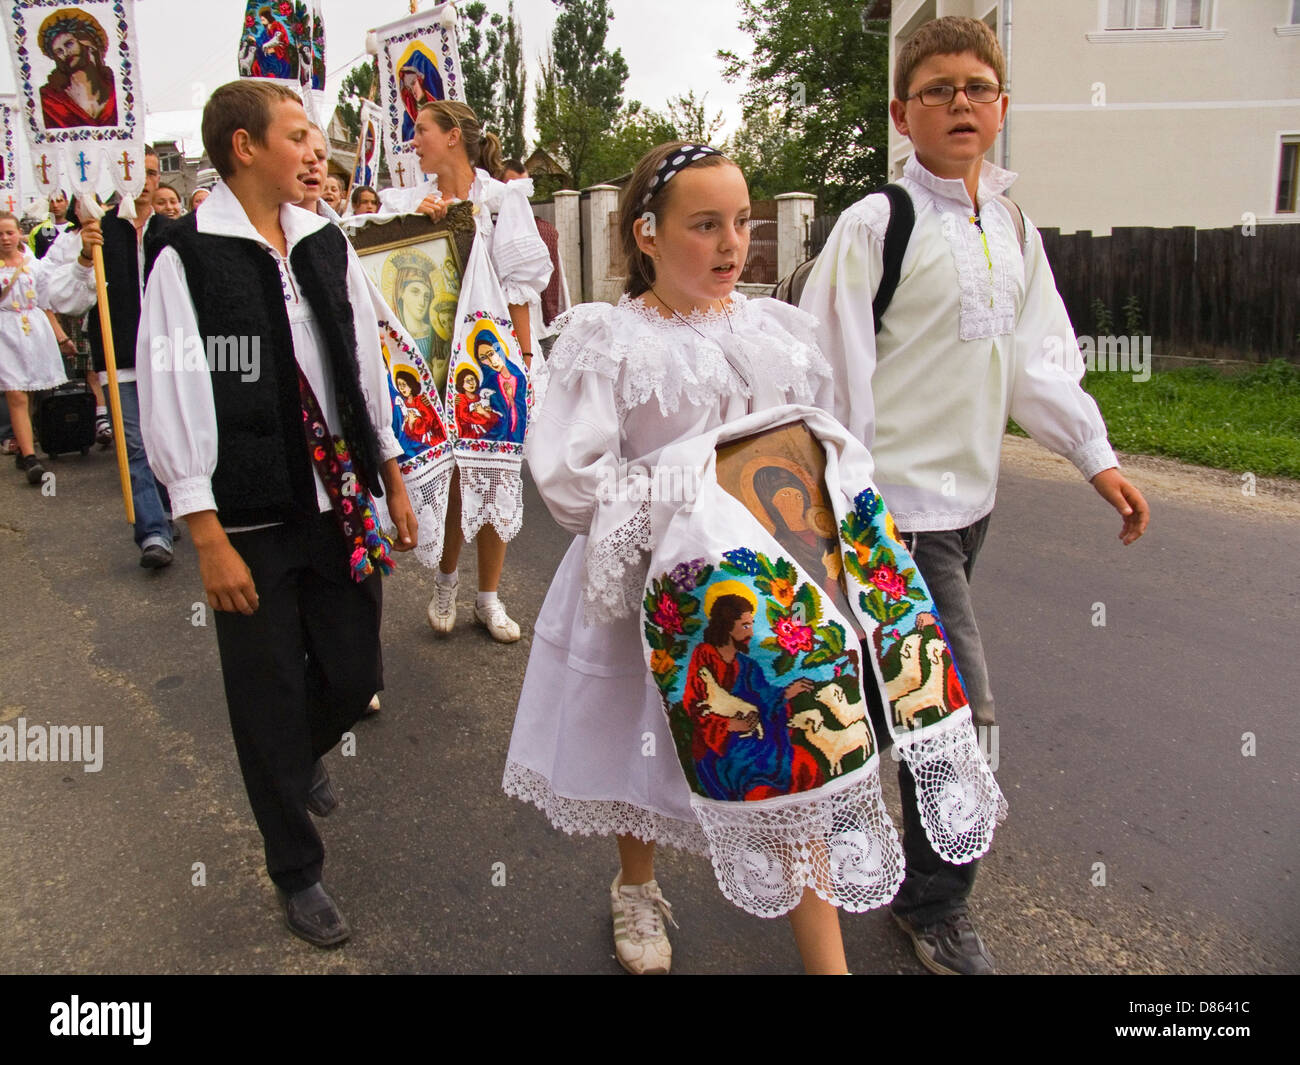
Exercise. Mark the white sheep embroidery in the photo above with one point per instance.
(721, 702)
(833, 744)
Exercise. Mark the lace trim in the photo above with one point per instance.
(517, 293)
(428, 496)
(491, 495)
(842, 845)
(958, 799)
(601, 817)
(615, 570)
(650, 356)
(986, 307)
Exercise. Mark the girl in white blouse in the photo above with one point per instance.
(680, 354)
(461, 159)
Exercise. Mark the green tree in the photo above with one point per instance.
(580, 94)
(481, 60)
(690, 119)
(823, 67)
(770, 156)
(514, 97)
(356, 87)
(636, 130)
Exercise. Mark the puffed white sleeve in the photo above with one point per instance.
(522, 263)
(65, 288)
(1047, 399)
(370, 358)
(574, 453)
(838, 293)
(178, 417)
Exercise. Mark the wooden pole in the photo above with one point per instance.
(115, 398)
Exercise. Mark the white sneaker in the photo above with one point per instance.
(640, 939)
(498, 622)
(442, 607)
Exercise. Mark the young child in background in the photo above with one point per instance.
(965, 343)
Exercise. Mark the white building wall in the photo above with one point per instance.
(1149, 128)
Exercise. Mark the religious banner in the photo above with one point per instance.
(77, 69)
(10, 200)
(366, 169)
(419, 60)
(414, 270)
(285, 40)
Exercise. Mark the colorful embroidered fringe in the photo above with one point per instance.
(353, 507)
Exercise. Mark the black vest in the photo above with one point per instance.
(264, 472)
(122, 276)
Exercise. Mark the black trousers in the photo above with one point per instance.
(932, 887)
(299, 672)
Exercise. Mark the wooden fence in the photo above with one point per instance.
(1207, 291)
(1215, 292)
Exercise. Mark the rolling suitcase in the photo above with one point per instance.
(65, 420)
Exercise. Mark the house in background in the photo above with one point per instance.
(1141, 112)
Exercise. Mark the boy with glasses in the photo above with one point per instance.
(967, 341)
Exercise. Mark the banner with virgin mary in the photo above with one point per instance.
(419, 61)
(77, 71)
(285, 40)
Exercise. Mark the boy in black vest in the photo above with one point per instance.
(266, 412)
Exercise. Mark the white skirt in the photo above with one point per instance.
(591, 746)
(28, 361)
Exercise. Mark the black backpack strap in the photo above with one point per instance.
(902, 217)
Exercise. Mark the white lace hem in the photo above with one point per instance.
(601, 817)
(615, 568)
(841, 843)
(429, 501)
(959, 801)
(491, 495)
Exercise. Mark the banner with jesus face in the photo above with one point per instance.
(419, 61)
(77, 68)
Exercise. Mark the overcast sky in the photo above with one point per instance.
(189, 47)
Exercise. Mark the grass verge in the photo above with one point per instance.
(1247, 422)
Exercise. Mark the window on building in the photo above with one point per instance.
(1156, 14)
(169, 163)
(1288, 175)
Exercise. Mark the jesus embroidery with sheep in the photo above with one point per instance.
(742, 743)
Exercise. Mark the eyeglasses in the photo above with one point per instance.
(977, 92)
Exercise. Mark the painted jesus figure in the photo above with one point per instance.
(80, 90)
(733, 760)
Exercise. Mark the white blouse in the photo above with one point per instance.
(969, 340)
(623, 382)
(178, 416)
(521, 261)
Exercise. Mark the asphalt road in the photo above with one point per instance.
(1119, 744)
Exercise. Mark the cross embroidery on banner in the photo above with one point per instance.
(44, 168)
(401, 174)
(126, 167)
(9, 203)
(82, 163)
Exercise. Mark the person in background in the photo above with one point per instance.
(555, 299)
(332, 192)
(365, 200)
(197, 197)
(167, 202)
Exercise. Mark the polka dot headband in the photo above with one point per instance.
(679, 160)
